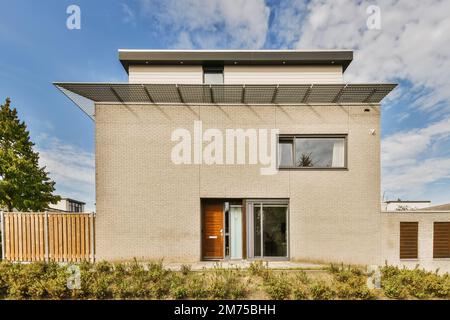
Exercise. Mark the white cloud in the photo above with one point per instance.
(211, 23)
(408, 145)
(412, 44)
(128, 14)
(404, 173)
(72, 168)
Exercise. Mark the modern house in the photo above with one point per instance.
(216, 155)
(67, 205)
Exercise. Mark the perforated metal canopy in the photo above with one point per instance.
(86, 94)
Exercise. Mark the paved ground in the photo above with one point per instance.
(245, 264)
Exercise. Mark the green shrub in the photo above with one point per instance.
(300, 292)
(225, 284)
(278, 287)
(178, 287)
(417, 283)
(350, 283)
(185, 269)
(257, 268)
(321, 291)
(197, 287)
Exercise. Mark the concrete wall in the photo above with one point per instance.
(390, 222)
(148, 207)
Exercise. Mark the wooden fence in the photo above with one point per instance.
(42, 236)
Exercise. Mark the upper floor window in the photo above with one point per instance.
(75, 207)
(213, 75)
(323, 151)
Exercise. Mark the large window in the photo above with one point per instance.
(213, 75)
(325, 151)
(267, 229)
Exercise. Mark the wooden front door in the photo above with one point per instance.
(213, 231)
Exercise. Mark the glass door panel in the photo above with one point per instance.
(236, 232)
(274, 231)
(268, 229)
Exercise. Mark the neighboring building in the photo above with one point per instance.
(401, 205)
(68, 205)
(166, 188)
(445, 207)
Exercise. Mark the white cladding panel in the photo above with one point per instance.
(283, 74)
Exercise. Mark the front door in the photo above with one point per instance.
(213, 231)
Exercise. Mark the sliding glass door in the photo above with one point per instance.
(268, 229)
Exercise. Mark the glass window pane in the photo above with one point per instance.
(257, 231)
(285, 154)
(320, 152)
(274, 231)
(213, 77)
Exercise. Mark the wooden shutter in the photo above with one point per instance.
(441, 240)
(409, 232)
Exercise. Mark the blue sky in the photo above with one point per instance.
(412, 47)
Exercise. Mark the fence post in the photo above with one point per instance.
(92, 235)
(46, 254)
(2, 230)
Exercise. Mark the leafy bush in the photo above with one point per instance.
(135, 280)
(278, 286)
(321, 291)
(185, 269)
(225, 284)
(350, 283)
(417, 283)
(257, 268)
(33, 281)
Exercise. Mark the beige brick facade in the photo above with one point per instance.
(149, 208)
(391, 239)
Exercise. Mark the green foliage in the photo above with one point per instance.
(33, 281)
(24, 185)
(185, 269)
(104, 280)
(225, 284)
(350, 283)
(405, 283)
(278, 286)
(321, 291)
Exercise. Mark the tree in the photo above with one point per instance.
(305, 160)
(23, 184)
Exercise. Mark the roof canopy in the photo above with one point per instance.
(85, 94)
(235, 57)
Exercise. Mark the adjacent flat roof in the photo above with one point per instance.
(407, 201)
(235, 57)
(85, 95)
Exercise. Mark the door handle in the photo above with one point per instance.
(212, 237)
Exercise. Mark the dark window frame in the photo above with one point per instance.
(292, 137)
(214, 70)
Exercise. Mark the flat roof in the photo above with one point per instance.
(235, 57)
(85, 95)
(73, 200)
(407, 201)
